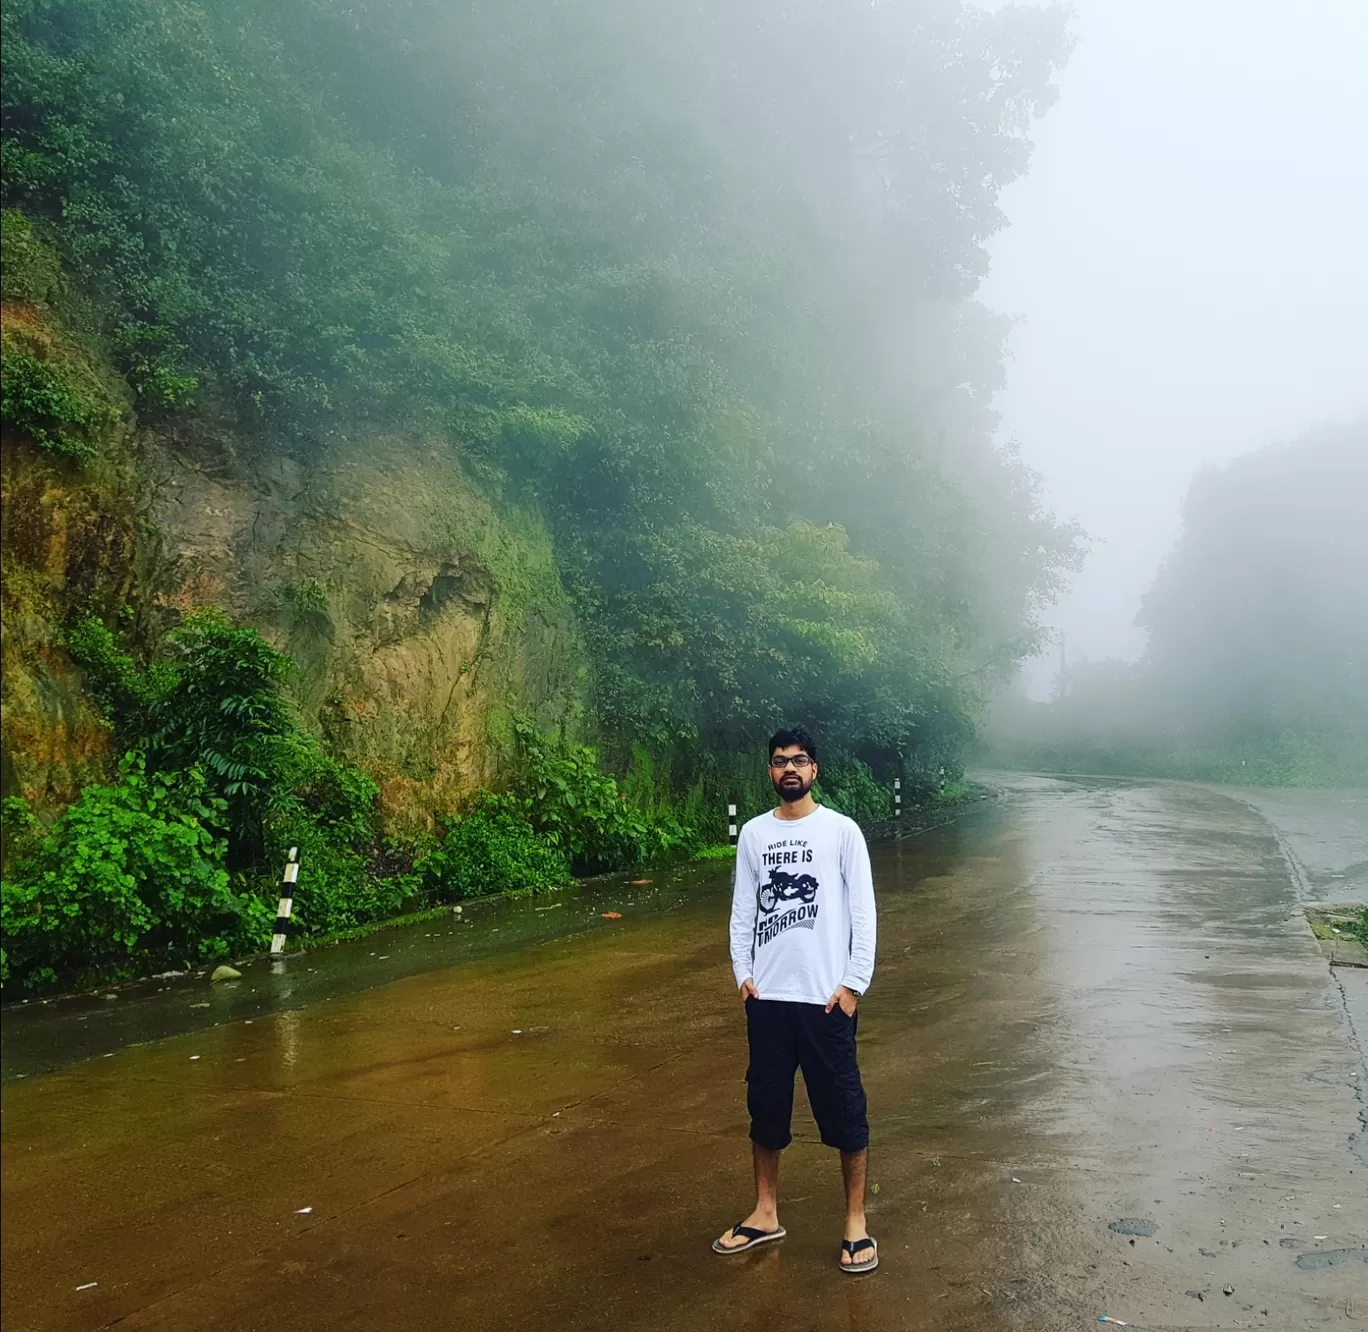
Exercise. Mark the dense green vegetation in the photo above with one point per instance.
(176, 860)
(521, 229)
(694, 282)
(1257, 669)
(49, 404)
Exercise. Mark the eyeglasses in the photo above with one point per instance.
(799, 761)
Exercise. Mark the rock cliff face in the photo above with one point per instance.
(68, 540)
(422, 609)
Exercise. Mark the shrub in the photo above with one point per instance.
(31, 272)
(847, 785)
(130, 878)
(124, 690)
(338, 797)
(336, 889)
(224, 710)
(581, 810)
(327, 810)
(217, 704)
(493, 849)
(54, 404)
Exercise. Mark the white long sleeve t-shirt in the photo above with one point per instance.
(802, 919)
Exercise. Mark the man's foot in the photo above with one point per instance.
(855, 1230)
(768, 1222)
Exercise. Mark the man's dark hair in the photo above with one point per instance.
(793, 735)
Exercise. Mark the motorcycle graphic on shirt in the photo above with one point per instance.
(785, 887)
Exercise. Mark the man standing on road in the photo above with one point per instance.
(802, 947)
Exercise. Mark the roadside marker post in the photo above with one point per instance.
(287, 884)
(731, 821)
(897, 797)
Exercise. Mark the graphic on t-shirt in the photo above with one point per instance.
(785, 887)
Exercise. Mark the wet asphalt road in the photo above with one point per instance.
(1095, 1001)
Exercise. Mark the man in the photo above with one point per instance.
(802, 946)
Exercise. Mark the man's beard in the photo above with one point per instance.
(790, 791)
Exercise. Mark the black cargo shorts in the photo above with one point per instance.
(785, 1037)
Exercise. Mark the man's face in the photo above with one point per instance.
(792, 772)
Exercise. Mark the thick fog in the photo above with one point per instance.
(1186, 260)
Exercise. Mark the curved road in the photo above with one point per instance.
(1097, 1003)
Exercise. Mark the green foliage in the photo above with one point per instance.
(847, 785)
(723, 851)
(30, 270)
(337, 889)
(215, 722)
(130, 878)
(721, 633)
(54, 404)
(309, 598)
(123, 688)
(21, 832)
(338, 797)
(514, 232)
(327, 809)
(1360, 926)
(223, 709)
(213, 704)
(510, 231)
(492, 848)
(580, 810)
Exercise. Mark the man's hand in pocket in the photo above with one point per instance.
(847, 999)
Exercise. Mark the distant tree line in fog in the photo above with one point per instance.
(1257, 666)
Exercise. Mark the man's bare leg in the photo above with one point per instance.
(766, 1214)
(854, 1170)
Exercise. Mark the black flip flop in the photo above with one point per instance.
(852, 1247)
(753, 1239)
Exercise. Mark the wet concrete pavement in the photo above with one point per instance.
(1095, 1001)
(45, 1035)
(1323, 833)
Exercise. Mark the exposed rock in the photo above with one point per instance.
(422, 612)
(68, 542)
(225, 973)
(419, 610)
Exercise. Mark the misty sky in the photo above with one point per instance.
(1189, 259)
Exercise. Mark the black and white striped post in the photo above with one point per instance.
(897, 797)
(286, 903)
(732, 831)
